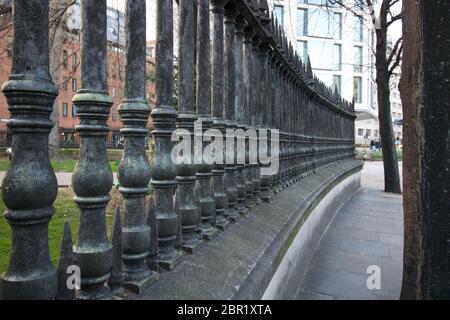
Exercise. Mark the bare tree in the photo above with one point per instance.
(388, 60)
(386, 65)
(58, 35)
(5, 17)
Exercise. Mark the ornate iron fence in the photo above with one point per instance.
(247, 76)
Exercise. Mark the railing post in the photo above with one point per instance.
(309, 124)
(272, 121)
(115, 281)
(92, 179)
(186, 171)
(248, 70)
(218, 181)
(297, 125)
(284, 128)
(164, 116)
(291, 129)
(294, 120)
(240, 115)
(264, 104)
(206, 200)
(30, 187)
(66, 260)
(134, 171)
(152, 258)
(288, 128)
(229, 112)
(277, 119)
(302, 100)
(256, 113)
(265, 118)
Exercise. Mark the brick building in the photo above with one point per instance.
(69, 73)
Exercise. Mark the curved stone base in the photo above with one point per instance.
(251, 259)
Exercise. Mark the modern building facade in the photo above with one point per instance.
(340, 44)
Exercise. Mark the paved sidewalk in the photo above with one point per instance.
(366, 231)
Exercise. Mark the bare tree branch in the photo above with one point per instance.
(394, 18)
(397, 61)
(394, 50)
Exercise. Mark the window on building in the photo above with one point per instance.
(322, 24)
(74, 61)
(319, 53)
(357, 89)
(302, 48)
(337, 56)
(360, 132)
(65, 83)
(74, 111)
(373, 95)
(375, 133)
(279, 14)
(337, 83)
(74, 85)
(325, 55)
(64, 109)
(9, 46)
(302, 22)
(358, 59)
(368, 133)
(114, 70)
(358, 29)
(328, 3)
(337, 26)
(65, 58)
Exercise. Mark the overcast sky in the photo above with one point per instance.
(395, 30)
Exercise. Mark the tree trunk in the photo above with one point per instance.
(391, 175)
(57, 36)
(411, 90)
(426, 103)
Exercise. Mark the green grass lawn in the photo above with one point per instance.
(378, 155)
(59, 165)
(66, 209)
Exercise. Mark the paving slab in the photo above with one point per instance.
(366, 231)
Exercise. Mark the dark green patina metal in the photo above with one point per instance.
(134, 170)
(29, 187)
(247, 77)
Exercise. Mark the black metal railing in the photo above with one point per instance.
(246, 77)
